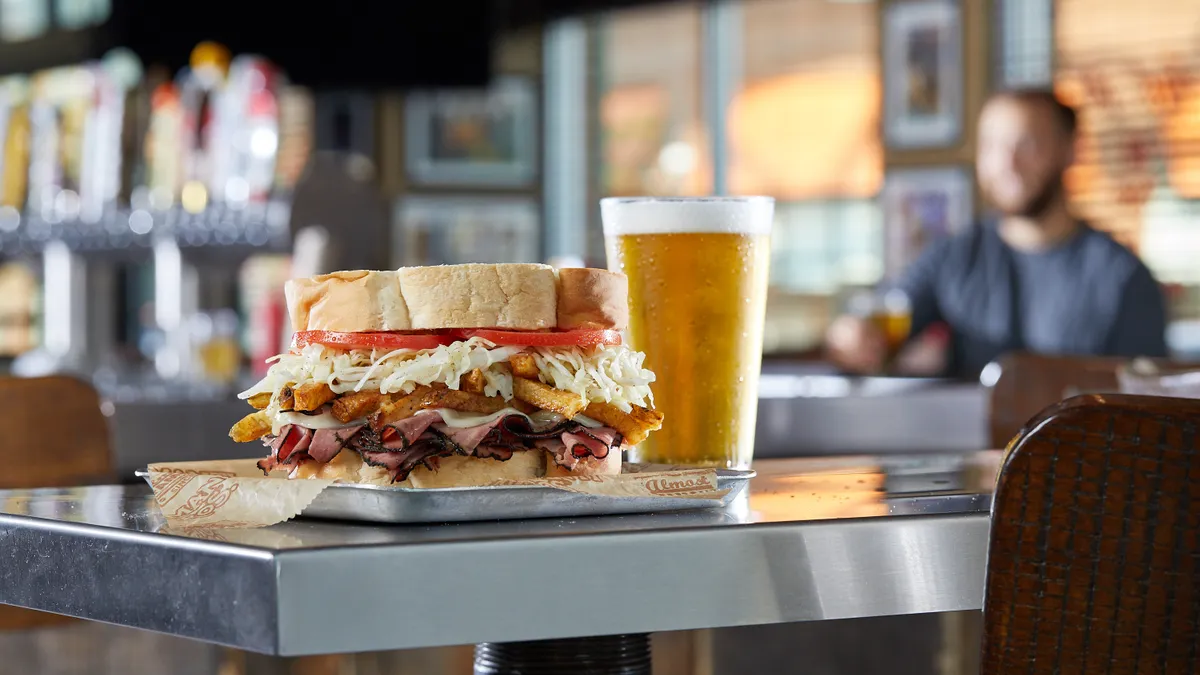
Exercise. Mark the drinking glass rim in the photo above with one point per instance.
(755, 199)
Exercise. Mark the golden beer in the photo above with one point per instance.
(697, 273)
(891, 313)
(894, 319)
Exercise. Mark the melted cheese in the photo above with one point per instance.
(456, 419)
(324, 420)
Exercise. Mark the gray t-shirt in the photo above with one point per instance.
(1087, 296)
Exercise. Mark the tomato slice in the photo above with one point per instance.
(387, 341)
(513, 338)
(567, 338)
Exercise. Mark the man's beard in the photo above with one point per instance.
(1037, 205)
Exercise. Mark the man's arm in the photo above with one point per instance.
(857, 345)
(1141, 322)
(919, 283)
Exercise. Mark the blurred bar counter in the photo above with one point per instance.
(810, 410)
(146, 431)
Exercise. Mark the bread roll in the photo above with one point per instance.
(453, 471)
(592, 298)
(510, 296)
(514, 296)
(459, 471)
(345, 466)
(354, 301)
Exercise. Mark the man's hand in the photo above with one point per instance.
(927, 355)
(856, 345)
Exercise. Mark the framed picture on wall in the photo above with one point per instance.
(921, 206)
(478, 138)
(453, 229)
(923, 74)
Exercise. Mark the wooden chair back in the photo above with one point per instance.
(1094, 560)
(55, 435)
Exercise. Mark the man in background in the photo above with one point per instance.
(1034, 278)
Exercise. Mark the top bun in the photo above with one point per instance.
(509, 296)
(591, 298)
(348, 302)
(470, 296)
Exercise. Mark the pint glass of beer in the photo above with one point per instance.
(697, 273)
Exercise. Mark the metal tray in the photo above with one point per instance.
(378, 504)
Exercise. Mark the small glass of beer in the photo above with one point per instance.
(890, 311)
(697, 271)
(894, 318)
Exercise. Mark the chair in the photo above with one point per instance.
(1027, 383)
(55, 435)
(1094, 560)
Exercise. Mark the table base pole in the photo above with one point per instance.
(609, 655)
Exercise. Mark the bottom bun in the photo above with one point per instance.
(457, 471)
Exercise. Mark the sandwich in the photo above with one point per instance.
(452, 376)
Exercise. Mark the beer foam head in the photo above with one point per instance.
(654, 215)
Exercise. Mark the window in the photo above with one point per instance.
(820, 246)
(803, 127)
(1024, 42)
(1133, 72)
(800, 123)
(653, 139)
(805, 121)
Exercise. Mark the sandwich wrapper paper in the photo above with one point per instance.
(236, 494)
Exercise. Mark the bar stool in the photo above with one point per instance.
(55, 436)
(1022, 385)
(1094, 559)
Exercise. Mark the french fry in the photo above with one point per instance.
(356, 405)
(634, 426)
(548, 398)
(472, 382)
(285, 398)
(311, 396)
(260, 401)
(403, 407)
(437, 396)
(472, 403)
(251, 427)
(523, 366)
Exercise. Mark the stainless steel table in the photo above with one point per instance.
(816, 539)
